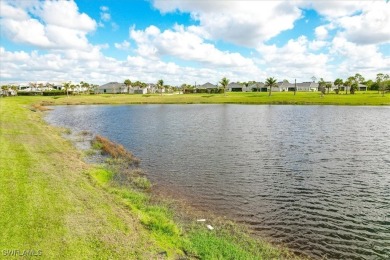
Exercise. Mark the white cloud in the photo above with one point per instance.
(364, 59)
(334, 9)
(65, 14)
(185, 45)
(104, 8)
(125, 45)
(95, 68)
(104, 14)
(321, 32)
(245, 23)
(294, 61)
(347, 41)
(55, 25)
(369, 27)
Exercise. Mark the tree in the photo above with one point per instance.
(348, 84)
(356, 80)
(359, 78)
(383, 83)
(368, 83)
(160, 85)
(95, 88)
(271, 83)
(127, 83)
(338, 82)
(328, 86)
(224, 83)
(66, 87)
(85, 86)
(321, 86)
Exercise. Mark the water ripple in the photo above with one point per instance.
(314, 178)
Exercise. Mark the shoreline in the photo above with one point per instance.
(279, 98)
(81, 203)
(184, 213)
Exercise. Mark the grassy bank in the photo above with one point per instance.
(301, 98)
(55, 205)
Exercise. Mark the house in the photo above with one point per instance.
(8, 92)
(139, 90)
(112, 88)
(307, 86)
(207, 87)
(257, 86)
(362, 87)
(235, 87)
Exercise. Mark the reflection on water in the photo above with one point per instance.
(316, 178)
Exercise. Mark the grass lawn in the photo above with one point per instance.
(301, 98)
(54, 204)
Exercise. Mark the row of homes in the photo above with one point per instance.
(260, 87)
(281, 86)
(116, 87)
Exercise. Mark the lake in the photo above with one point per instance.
(314, 178)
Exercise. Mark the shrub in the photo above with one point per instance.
(29, 93)
(53, 93)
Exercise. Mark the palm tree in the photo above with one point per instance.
(224, 83)
(328, 86)
(321, 86)
(338, 82)
(352, 83)
(348, 83)
(160, 85)
(127, 82)
(359, 79)
(66, 87)
(271, 83)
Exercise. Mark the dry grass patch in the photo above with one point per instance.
(115, 150)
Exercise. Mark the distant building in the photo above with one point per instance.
(112, 88)
(307, 86)
(235, 87)
(256, 87)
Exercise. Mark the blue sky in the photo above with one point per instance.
(192, 41)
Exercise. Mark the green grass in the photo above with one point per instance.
(371, 98)
(52, 201)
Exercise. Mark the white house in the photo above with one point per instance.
(307, 86)
(112, 88)
(139, 90)
(235, 87)
(207, 86)
(257, 86)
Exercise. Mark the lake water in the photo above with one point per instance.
(315, 178)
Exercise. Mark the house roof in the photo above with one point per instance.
(234, 85)
(257, 85)
(307, 85)
(207, 86)
(112, 85)
(285, 84)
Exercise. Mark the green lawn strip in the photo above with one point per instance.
(51, 201)
(371, 98)
(227, 241)
(48, 204)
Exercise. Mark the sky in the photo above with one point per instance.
(192, 41)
